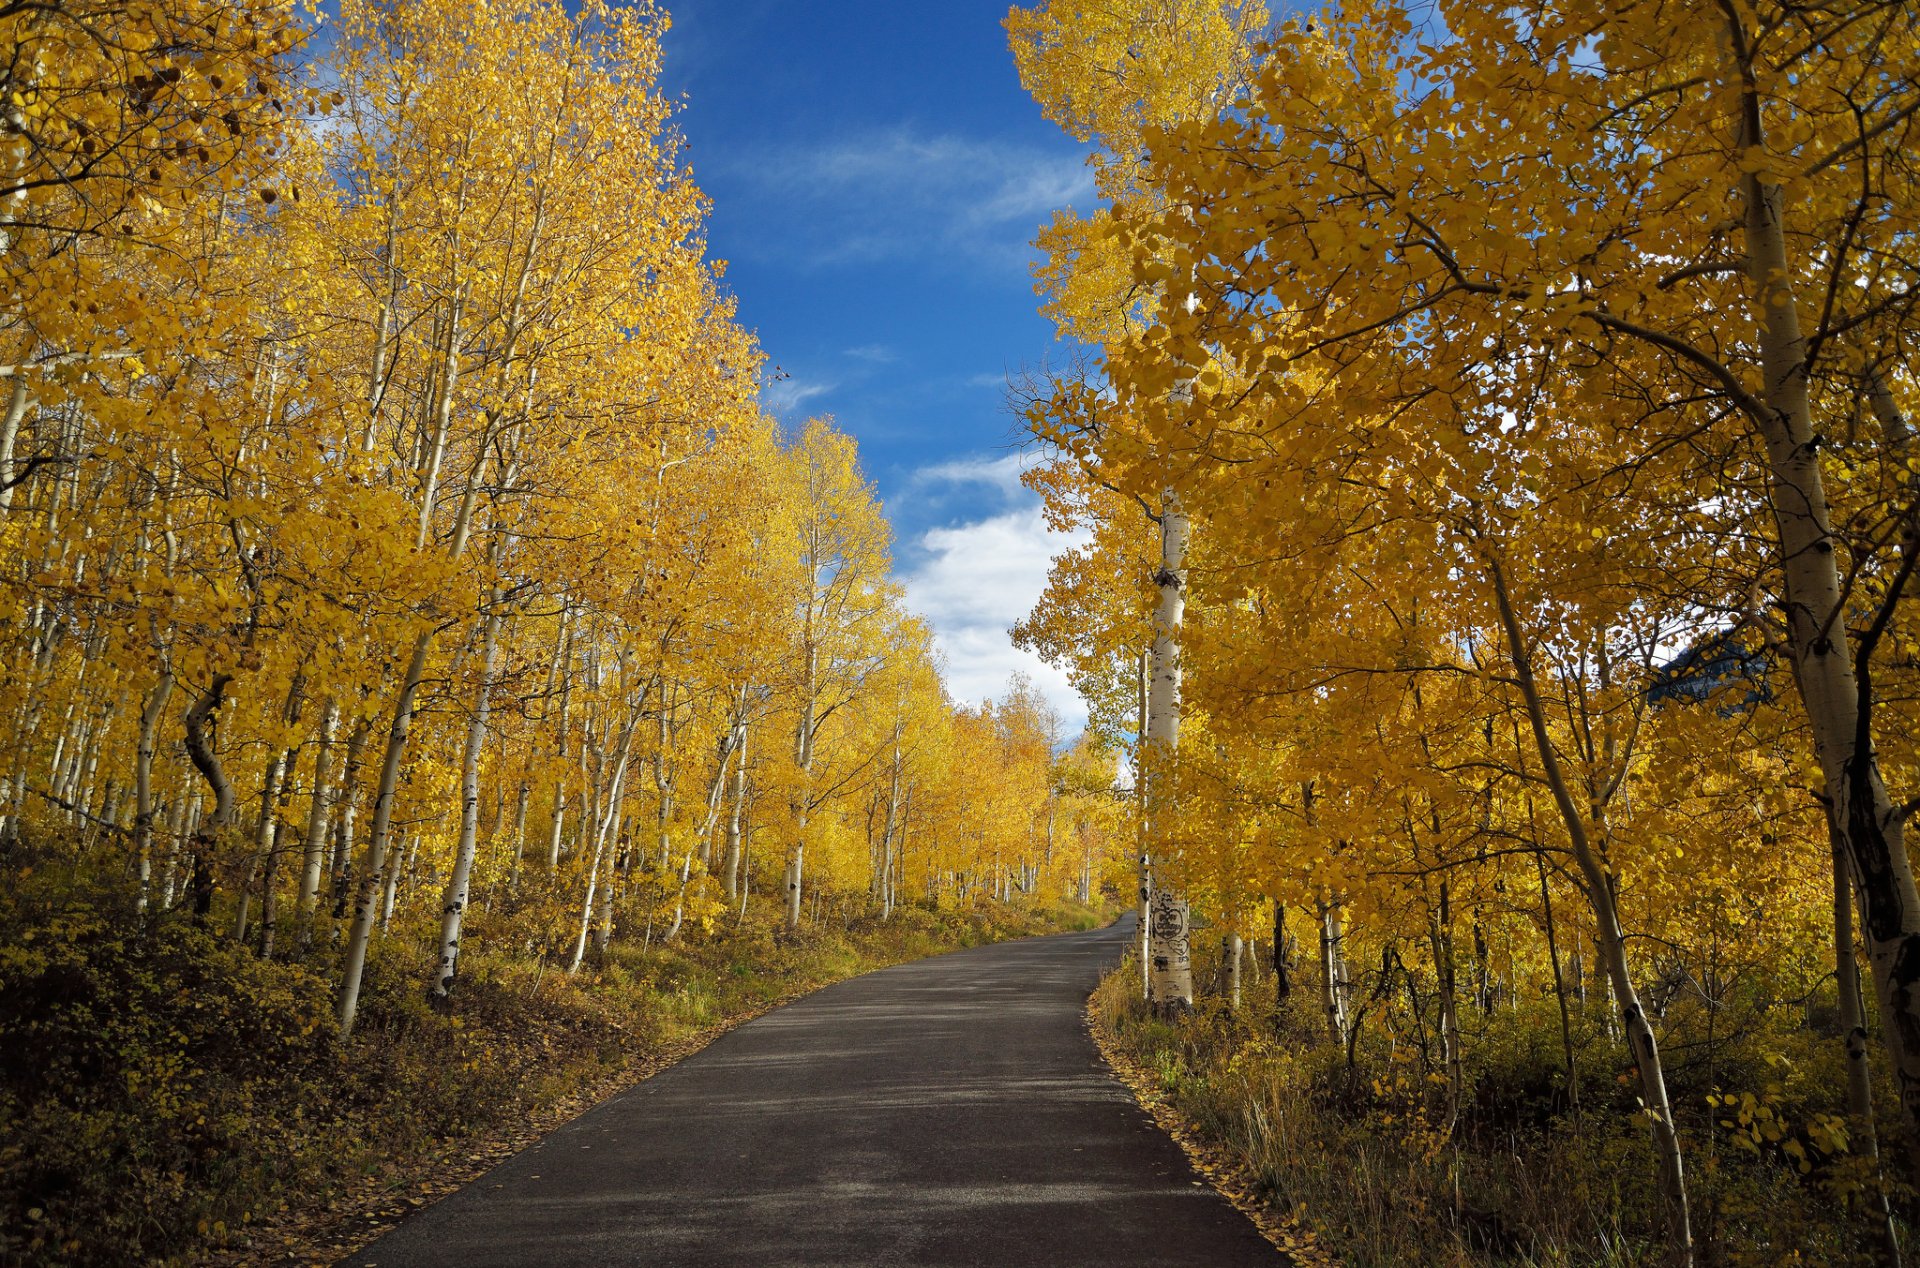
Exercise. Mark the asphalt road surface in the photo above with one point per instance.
(951, 1111)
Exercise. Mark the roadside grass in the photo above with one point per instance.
(1361, 1155)
(167, 1097)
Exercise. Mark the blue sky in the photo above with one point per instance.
(877, 174)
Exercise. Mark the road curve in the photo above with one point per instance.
(952, 1111)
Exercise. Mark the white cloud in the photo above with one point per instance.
(977, 579)
(1003, 473)
(898, 193)
(786, 396)
(876, 353)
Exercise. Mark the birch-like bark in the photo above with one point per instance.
(1834, 676)
(1169, 941)
(609, 816)
(716, 798)
(143, 809)
(256, 867)
(803, 806)
(454, 905)
(557, 823)
(269, 870)
(17, 402)
(884, 890)
(1143, 935)
(732, 861)
(1853, 1034)
(519, 837)
(366, 912)
(349, 821)
(314, 856)
(1333, 974)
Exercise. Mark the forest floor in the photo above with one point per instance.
(169, 1098)
(949, 1111)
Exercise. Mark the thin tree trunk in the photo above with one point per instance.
(454, 904)
(1853, 1028)
(257, 866)
(343, 835)
(1333, 974)
(366, 912)
(1282, 975)
(1559, 983)
(143, 811)
(1641, 1043)
(318, 808)
(1145, 931)
(605, 825)
(732, 861)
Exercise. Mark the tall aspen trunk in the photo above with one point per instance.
(1834, 677)
(366, 912)
(883, 879)
(1231, 949)
(731, 861)
(1144, 934)
(454, 905)
(803, 808)
(1559, 982)
(608, 817)
(143, 808)
(1853, 1028)
(1609, 938)
(269, 871)
(1333, 973)
(558, 821)
(519, 837)
(17, 404)
(1170, 986)
(716, 798)
(314, 859)
(257, 869)
(343, 835)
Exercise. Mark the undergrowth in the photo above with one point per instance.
(165, 1094)
(1358, 1147)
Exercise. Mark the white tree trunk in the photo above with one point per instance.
(608, 818)
(318, 809)
(731, 861)
(1143, 934)
(454, 906)
(1853, 1031)
(1170, 984)
(1333, 973)
(366, 912)
(143, 811)
(1838, 701)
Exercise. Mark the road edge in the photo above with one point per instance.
(1226, 1172)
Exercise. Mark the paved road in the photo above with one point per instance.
(951, 1111)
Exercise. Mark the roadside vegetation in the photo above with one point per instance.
(1361, 1146)
(168, 1096)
